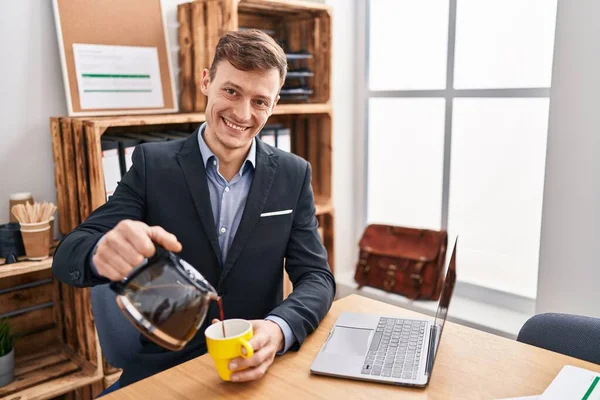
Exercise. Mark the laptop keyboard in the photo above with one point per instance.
(395, 350)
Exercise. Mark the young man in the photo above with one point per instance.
(203, 197)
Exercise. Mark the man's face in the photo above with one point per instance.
(239, 103)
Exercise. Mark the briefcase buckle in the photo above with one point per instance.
(417, 280)
(390, 280)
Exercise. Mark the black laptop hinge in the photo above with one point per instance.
(431, 350)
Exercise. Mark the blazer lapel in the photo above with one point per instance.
(190, 160)
(264, 173)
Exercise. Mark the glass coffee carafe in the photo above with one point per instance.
(166, 299)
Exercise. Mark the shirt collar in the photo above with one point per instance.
(207, 153)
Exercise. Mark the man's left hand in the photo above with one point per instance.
(267, 341)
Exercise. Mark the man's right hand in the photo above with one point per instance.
(127, 245)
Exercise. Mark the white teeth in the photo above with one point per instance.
(231, 125)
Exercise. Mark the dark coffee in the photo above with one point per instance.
(166, 299)
(221, 315)
(176, 310)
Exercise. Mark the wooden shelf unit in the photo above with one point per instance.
(57, 352)
(49, 374)
(24, 267)
(298, 26)
(76, 150)
(78, 144)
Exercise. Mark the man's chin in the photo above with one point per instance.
(234, 143)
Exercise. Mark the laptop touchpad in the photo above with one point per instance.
(349, 341)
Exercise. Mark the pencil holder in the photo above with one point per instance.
(36, 239)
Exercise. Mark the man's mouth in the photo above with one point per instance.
(233, 126)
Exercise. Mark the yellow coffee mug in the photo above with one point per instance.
(224, 349)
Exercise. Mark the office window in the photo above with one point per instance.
(457, 116)
(393, 123)
(504, 44)
(413, 54)
(496, 190)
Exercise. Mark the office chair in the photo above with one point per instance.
(572, 335)
(119, 340)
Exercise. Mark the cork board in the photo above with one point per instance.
(138, 23)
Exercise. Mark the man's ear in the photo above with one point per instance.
(205, 82)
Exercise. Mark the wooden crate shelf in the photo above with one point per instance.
(76, 149)
(182, 118)
(57, 351)
(323, 205)
(311, 139)
(24, 267)
(302, 28)
(112, 378)
(49, 374)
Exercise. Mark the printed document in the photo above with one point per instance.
(574, 383)
(117, 76)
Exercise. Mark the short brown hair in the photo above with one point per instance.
(250, 50)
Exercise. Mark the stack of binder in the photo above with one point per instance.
(303, 29)
(296, 86)
(276, 135)
(91, 155)
(118, 149)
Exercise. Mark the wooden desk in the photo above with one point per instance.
(470, 365)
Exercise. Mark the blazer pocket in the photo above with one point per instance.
(276, 217)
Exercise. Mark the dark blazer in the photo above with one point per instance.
(167, 186)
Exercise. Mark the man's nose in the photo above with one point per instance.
(243, 111)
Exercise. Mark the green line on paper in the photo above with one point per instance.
(591, 388)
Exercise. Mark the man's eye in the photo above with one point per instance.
(261, 103)
(230, 91)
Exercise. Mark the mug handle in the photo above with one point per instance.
(248, 347)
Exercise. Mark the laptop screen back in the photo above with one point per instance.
(445, 296)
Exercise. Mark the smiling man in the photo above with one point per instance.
(232, 206)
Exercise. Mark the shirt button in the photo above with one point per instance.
(227, 189)
(214, 162)
(223, 230)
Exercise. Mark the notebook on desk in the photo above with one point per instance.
(384, 348)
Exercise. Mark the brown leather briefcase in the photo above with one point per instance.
(406, 261)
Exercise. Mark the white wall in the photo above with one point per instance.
(344, 133)
(569, 271)
(31, 91)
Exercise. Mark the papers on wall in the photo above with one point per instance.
(117, 76)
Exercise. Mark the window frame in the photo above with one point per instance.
(364, 94)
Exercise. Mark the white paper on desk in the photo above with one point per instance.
(117, 76)
(574, 383)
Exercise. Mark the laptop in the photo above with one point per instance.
(384, 348)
